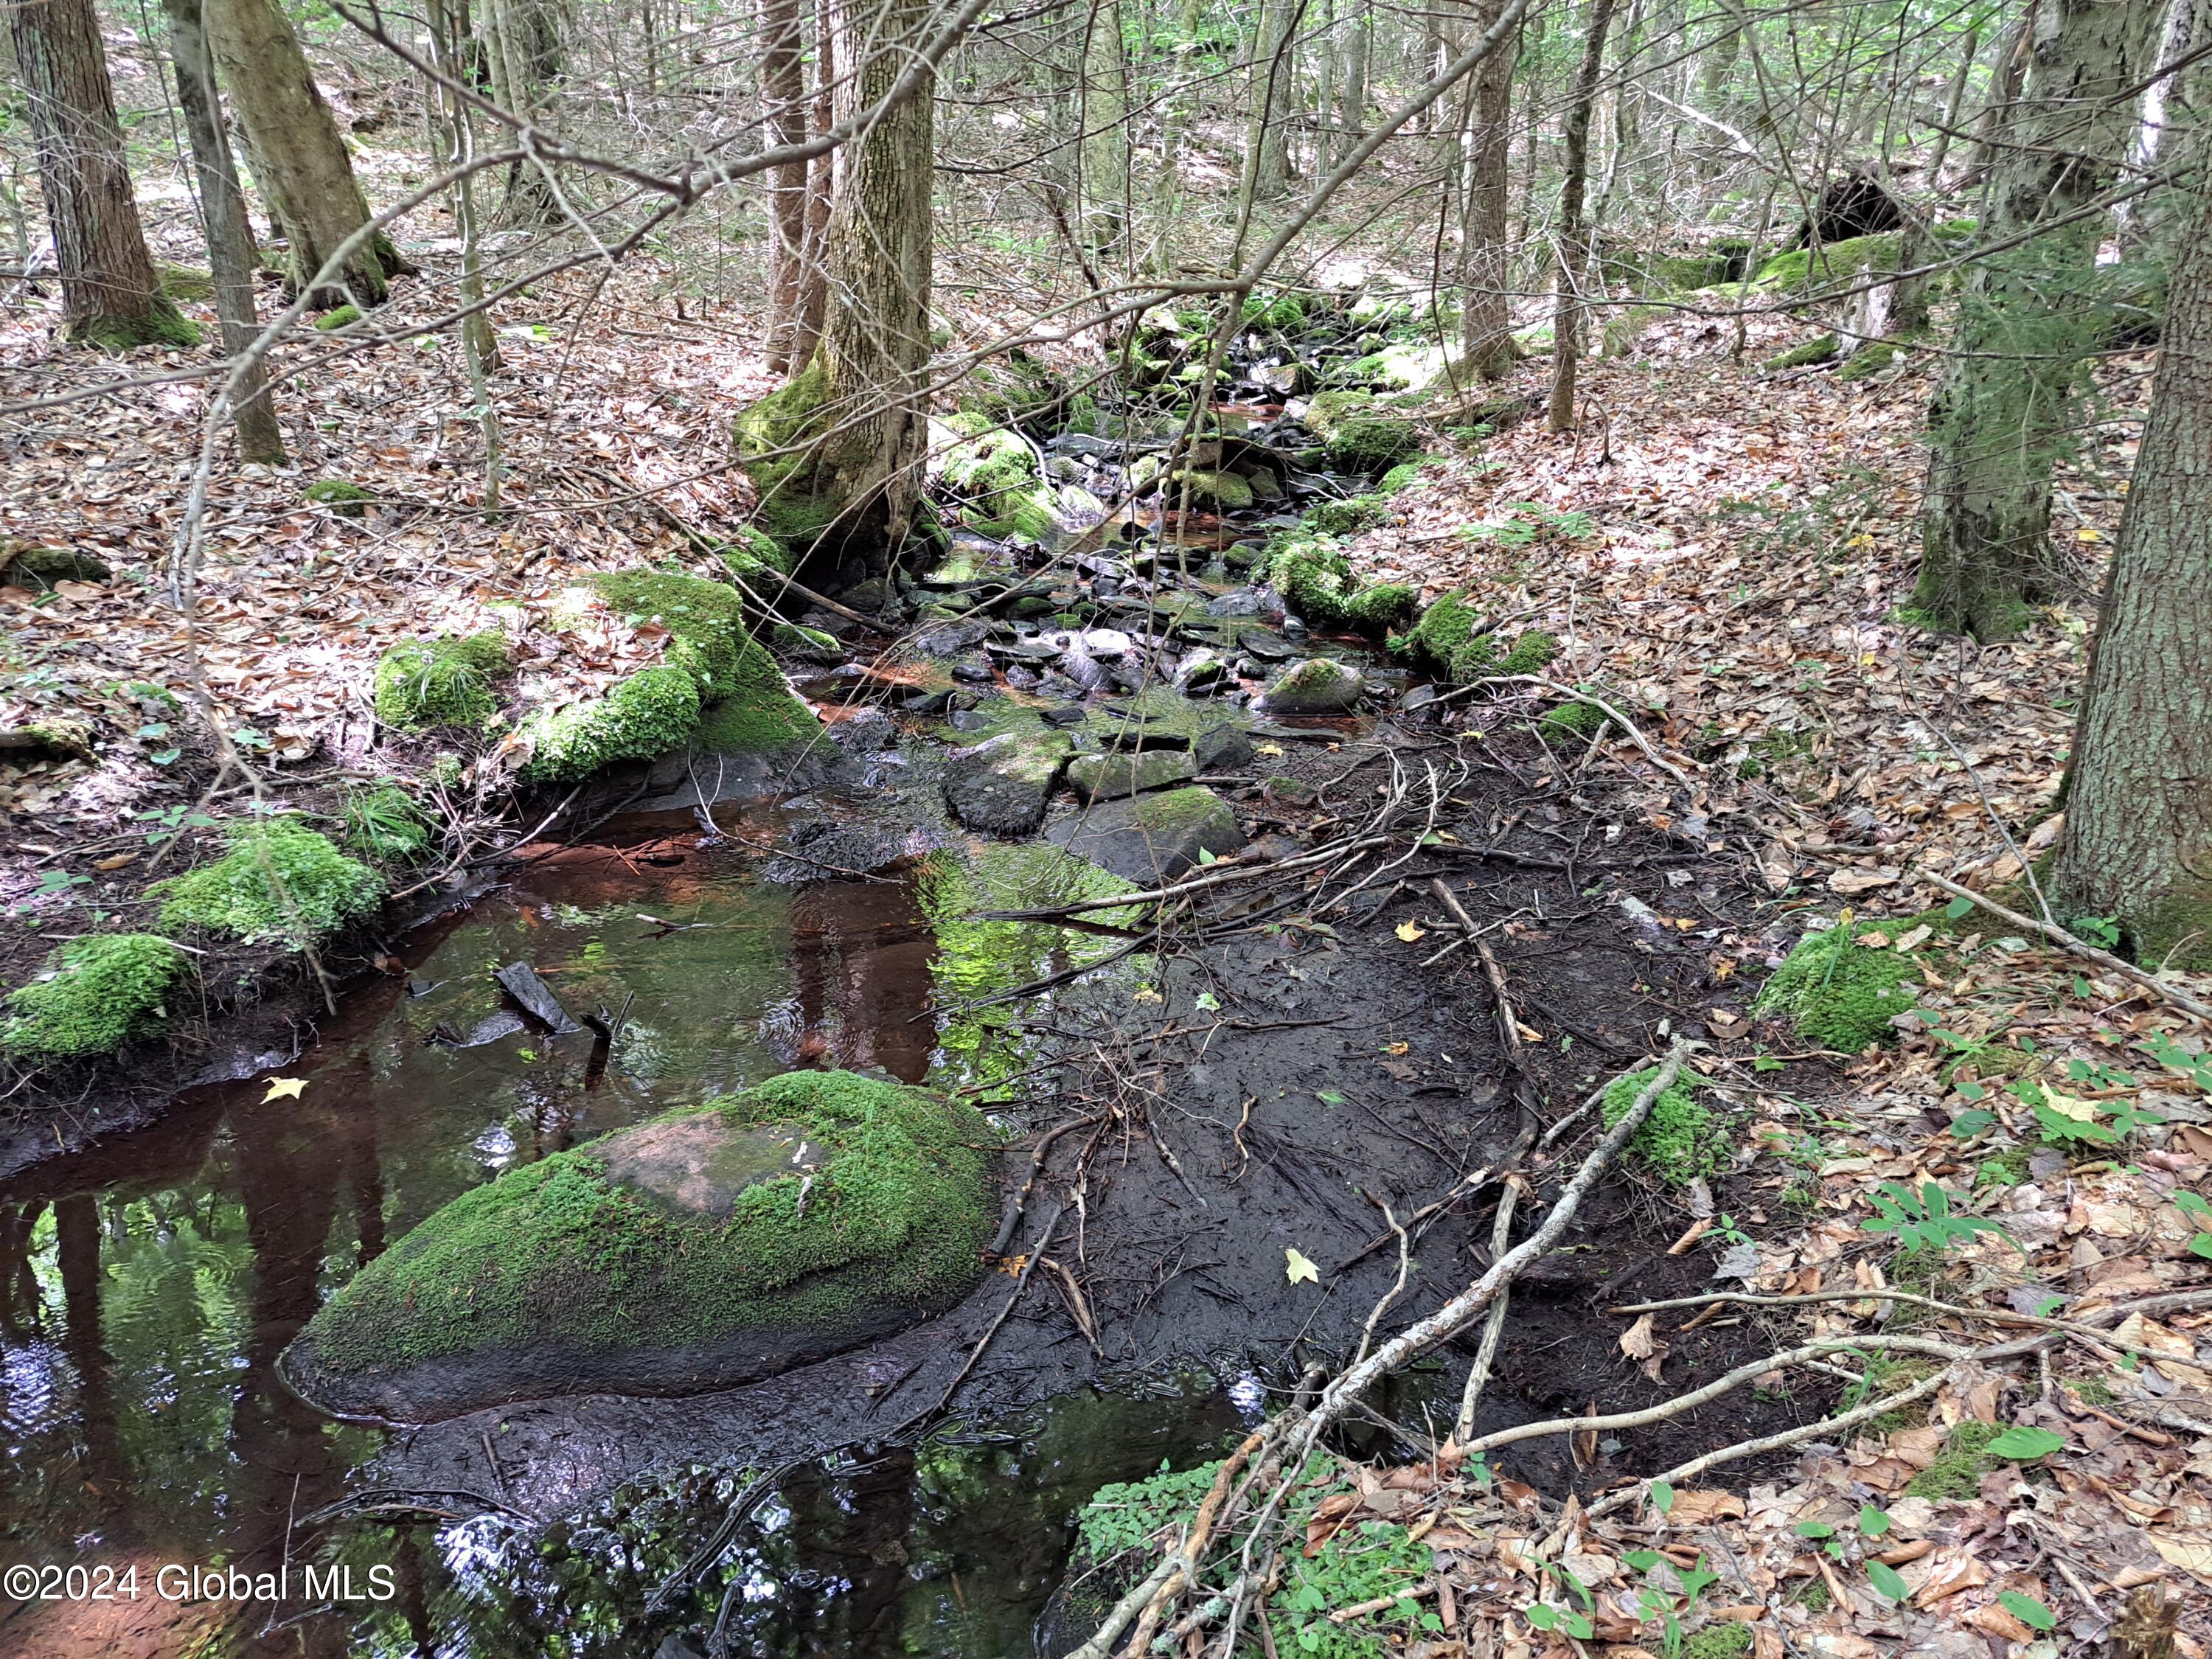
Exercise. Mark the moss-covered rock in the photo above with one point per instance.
(1347, 517)
(425, 683)
(653, 711)
(1282, 311)
(40, 568)
(1869, 360)
(1319, 685)
(779, 444)
(1451, 641)
(280, 881)
(186, 283)
(159, 325)
(1819, 351)
(702, 1248)
(1804, 270)
(1314, 575)
(93, 995)
(347, 499)
(338, 317)
(1840, 994)
(1371, 443)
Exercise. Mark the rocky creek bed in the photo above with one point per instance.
(1165, 1109)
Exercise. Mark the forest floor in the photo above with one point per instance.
(1744, 544)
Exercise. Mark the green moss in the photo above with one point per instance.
(1813, 351)
(1958, 1469)
(1176, 809)
(756, 558)
(1347, 517)
(2174, 930)
(1812, 1595)
(1870, 359)
(338, 317)
(1840, 994)
(186, 282)
(423, 683)
(1573, 720)
(348, 500)
(1404, 475)
(706, 622)
(1031, 514)
(162, 324)
(1224, 491)
(92, 996)
(778, 443)
(1678, 1139)
(1801, 271)
(1285, 311)
(994, 459)
(1364, 443)
(1314, 575)
(1449, 642)
(893, 1204)
(2090, 1391)
(653, 711)
(383, 823)
(279, 881)
(1731, 1640)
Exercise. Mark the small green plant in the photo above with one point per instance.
(1958, 1469)
(1838, 993)
(2200, 1214)
(2029, 1611)
(1359, 1564)
(2024, 1444)
(2075, 1121)
(1925, 1218)
(1657, 1603)
(383, 823)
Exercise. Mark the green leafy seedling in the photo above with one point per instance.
(1920, 1219)
(2029, 1611)
(1887, 1582)
(2024, 1444)
(2200, 1213)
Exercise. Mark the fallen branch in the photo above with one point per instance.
(1576, 695)
(2066, 941)
(1021, 1284)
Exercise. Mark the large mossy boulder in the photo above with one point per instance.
(703, 1248)
(1314, 576)
(716, 687)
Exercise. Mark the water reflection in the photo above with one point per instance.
(148, 1287)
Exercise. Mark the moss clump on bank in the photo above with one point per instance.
(1370, 443)
(1347, 517)
(1573, 720)
(1958, 1469)
(777, 441)
(160, 324)
(1679, 1140)
(425, 683)
(1314, 578)
(756, 557)
(93, 995)
(1732, 1640)
(653, 711)
(1869, 360)
(279, 881)
(1451, 641)
(348, 500)
(1838, 993)
(860, 1193)
(1804, 271)
(338, 317)
(383, 823)
(1813, 351)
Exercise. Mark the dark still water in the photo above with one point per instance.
(148, 1287)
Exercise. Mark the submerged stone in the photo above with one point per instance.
(707, 1247)
(1148, 838)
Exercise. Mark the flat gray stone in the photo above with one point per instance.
(1001, 786)
(1107, 777)
(1149, 839)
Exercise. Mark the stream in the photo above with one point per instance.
(149, 1285)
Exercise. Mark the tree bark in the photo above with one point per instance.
(820, 184)
(784, 102)
(1270, 89)
(230, 242)
(2027, 319)
(522, 49)
(1103, 108)
(1574, 240)
(837, 453)
(298, 158)
(2137, 844)
(111, 297)
(1487, 319)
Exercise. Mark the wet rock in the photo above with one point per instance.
(1263, 486)
(1221, 749)
(975, 669)
(1107, 642)
(1200, 672)
(1265, 644)
(703, 1248)
(949, 639)
(1288, 791)
(1107, 777)
(1002, 787)
(1067, 714)
(869, 597)
(1021, 678)
(1135, 734)
(1151, 838)
(927, 702)
(1418, 698)
(863, 731)
(1244, 602)
(1319, 685)
(1274, 845)
(1057, 684)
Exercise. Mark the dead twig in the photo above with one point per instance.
(2066, 941)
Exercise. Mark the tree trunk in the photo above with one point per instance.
(1351, 118)
(222, 210)
(2137, 845)
(110, 296)
(1103, 108)
(2004, 89)
(837, 453)
(298, 158)
(821, 179)
(1952, 105)
(2028, 317)
(1487, 319)
(1269, 85)
(1574, 241)
(521, 48)
(783, 108)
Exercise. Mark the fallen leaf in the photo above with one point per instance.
(1853, 882)
(1301, 1270)
(1409, 933)
(2192, 1555)
(1700, 1509)
(1638, 1341)
(284, 1088)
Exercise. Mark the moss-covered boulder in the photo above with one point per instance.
(40, 569)
(346, 499)
(280, 882)
(1314, 576)
(1819, 349)
(1451, 641)
(717, 685)
(423, 684)
(703, 1248)
(1840, 994)
(1805, 270)
(1371, 443)
(1152, 837)
(93, 995)
(1319, 685)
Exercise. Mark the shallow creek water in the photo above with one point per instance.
(147, 1288)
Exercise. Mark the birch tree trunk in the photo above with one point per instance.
(230, 242)
(298, 158)
(2137, 845)
(2027, 319)
(110, 296)
(1574, 240)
